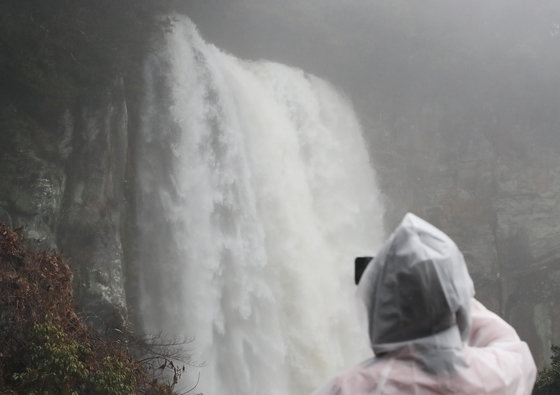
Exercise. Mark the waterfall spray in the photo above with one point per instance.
(255, 193)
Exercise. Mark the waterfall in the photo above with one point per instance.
(255, 192)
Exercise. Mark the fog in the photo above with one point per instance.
(391, 57)
(436, 70)
(459, 102)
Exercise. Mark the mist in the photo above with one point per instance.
(394, 58)
(459, 105)
(212, 176)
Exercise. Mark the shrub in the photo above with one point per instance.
(548, 379)
(57, 363)
(45, 347)
(114, 378)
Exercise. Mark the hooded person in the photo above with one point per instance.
(429, 335)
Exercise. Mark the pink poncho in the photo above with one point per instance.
(428, 333)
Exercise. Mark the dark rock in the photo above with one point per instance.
(66, 189)
(94, 204)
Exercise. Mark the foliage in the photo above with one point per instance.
(58, 366)
(45, 347)
(114, 378)
(548, 379)
(56, 362)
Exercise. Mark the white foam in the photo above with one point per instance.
(257, 192)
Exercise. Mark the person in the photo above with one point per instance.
(429, 335)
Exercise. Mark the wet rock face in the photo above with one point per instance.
(91, 221)
(31, 181)
(499, 199)
(527, 216)
(64, 184)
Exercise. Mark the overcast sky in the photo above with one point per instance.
(399, 59)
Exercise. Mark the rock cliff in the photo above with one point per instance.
(498, 197)
(65, 184)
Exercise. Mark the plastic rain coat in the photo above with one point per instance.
(428, 333)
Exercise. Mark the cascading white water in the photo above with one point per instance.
(255, 194)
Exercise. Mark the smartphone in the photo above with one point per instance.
(360, 264)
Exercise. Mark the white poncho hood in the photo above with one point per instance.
(417, 293)
(428, 333)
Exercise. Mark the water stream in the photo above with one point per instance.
(255, 193)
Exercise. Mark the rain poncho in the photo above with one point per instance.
(428, 334)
